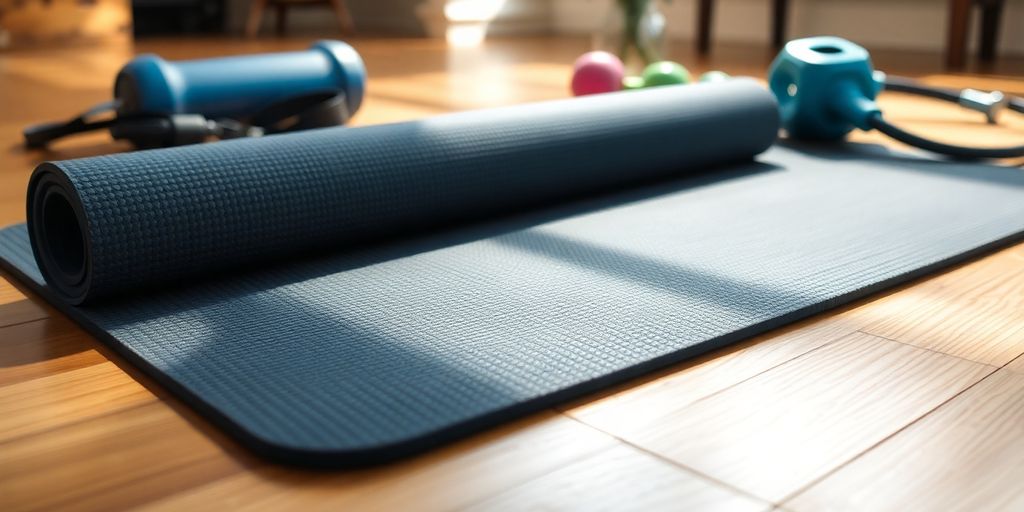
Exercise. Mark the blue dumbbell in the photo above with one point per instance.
(234, 87)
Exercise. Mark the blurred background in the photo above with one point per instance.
(956, 29)
(424, 57)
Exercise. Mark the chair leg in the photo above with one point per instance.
(779, 13)
(344, 17)
(991, 15)
(282, 18)
(252, 23)
(704, 14)
(956, 38)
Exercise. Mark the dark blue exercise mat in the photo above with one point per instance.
(348, 296)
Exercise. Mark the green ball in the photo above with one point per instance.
(714, 77)
(665, 73)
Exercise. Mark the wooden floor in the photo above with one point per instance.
(913, 400)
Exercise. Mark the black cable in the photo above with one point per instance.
(38, 135)
(313, 110)
(877, 122)
(1016, 104)
(907, 85)
(910, 86)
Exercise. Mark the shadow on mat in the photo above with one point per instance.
(670, 277)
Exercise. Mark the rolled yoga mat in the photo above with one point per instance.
(103, 226)
(348, 296)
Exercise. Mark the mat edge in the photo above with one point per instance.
(381, 454)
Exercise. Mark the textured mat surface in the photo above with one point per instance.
(162, 216)
(365, 353)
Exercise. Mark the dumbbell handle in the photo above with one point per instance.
(235, 87)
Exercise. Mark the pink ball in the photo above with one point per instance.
(597, 72)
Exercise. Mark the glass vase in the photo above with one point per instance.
(635, 31)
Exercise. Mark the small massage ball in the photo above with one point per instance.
(665, 73)
(633, 82)
(597, 72)
(714, 77)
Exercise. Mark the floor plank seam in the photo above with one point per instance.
(1011, 361)
(715, 393)
(930, 349)
(15, 324)
(565, 408)
(568, 462)
(773, 367)
(676, 464)
(793, 495)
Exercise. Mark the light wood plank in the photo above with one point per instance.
(110, 462)
(632, 407)
(68, 397)
(968, 455)
(975, 312)
(620, 479)
(44, 347)
(777, 432)
(445, 479)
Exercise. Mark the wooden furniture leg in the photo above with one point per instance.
(282, 17)
(780, 11)
(956, 39)
(991, 15)
(704, 11)
(252, 23)
(344, 16)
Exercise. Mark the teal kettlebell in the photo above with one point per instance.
(825, 87)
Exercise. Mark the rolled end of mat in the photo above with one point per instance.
(109, 225)
(58, 229)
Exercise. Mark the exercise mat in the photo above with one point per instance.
(347, 296)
